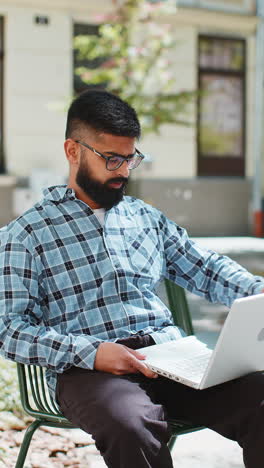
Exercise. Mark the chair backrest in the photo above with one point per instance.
(179, 307)
(34, 394)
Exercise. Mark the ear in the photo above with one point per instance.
(72, 151)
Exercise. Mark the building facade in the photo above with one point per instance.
(201, 176)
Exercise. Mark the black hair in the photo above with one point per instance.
(103, 112)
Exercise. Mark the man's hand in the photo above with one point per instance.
(119, 359)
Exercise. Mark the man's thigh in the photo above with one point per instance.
(92, 400)
(222, 407)
(89, 398)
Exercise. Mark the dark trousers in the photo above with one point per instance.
(127, 415)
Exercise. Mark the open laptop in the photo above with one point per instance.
(239, 349)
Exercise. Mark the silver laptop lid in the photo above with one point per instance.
(240, 347)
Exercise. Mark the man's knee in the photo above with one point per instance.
(252, 389)
(135, 420)
(136, 440)
(145, 432)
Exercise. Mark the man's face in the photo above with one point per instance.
(106, 188)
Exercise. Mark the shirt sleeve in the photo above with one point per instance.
(204, 272)
(24, 337)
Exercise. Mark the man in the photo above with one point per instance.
(77, 292)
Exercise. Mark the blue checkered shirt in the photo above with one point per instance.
(67, 283)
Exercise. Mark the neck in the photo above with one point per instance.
(81, 195)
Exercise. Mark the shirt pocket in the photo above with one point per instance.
(143, 250)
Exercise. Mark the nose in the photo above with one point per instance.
(123, 170)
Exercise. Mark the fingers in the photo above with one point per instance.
(141, 367)
(119, 359)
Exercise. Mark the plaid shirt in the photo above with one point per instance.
(67, 284)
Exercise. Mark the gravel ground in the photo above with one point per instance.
(59, 448)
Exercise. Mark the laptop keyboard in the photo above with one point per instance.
(194, 366)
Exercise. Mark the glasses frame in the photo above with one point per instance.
(108, 158)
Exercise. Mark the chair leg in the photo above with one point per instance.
(170, 443)
(26, 442)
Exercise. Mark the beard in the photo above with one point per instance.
(99, 192)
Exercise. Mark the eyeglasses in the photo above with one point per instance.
(115, 161)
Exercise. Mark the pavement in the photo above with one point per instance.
(206, 449)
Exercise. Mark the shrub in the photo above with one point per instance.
(9, 391)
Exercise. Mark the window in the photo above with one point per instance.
(83, 29)
(221, 109)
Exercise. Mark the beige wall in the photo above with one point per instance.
(174, 152)
(37, 84)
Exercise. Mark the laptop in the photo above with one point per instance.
(238, 351)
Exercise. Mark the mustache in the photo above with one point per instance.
(118, 180)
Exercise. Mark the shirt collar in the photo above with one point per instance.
(59, 193)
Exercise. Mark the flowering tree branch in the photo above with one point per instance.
(132, 51)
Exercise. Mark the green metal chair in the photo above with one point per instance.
(37, 403)
(181, 316)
